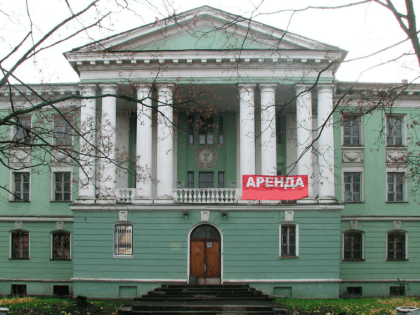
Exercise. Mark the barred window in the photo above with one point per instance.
(123, 238)
(396, 245)
(394, 131)
(353, 245)
(288, 240)
(62, 132)
(395, 187)
(352, 187)
(62, 186)
(21, 187)
(352, 130)
(20, 245)
(61, 245)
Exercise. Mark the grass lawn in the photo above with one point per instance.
(365, 306)
(362, 306)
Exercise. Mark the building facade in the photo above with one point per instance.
(125, 198)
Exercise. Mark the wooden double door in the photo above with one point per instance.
(205, 255)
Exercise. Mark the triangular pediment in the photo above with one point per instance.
(205, 28)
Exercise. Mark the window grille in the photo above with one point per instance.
(288, 240)
(123, 239)
(20, 245)
(206, 131)
(21, 186)
(61, 246)
(353, 246)
(206, 180)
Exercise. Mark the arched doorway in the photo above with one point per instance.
(205, 252)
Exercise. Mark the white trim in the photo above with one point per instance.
(127, 280)
(37, 219)
(226, 207)
(189, 249)
(296, 240)
(69, 118)
(65, 169)
(361, 131)
(403, 129)
(396, 169)
(34, 280)
(379, 280)
(126, 223)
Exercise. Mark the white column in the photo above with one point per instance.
(144, 151)
(268, 129)
(326, 144)
(108, 141)
(87, 178)
(247, 131)
(304, 165)
(165, 145)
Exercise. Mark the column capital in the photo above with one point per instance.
(110, 88)
(143, 86)
(87, 89)
(165, 86)
(300, 88)
(267, 86)
(322, 88)
(246, 86)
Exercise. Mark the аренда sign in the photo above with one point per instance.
(260, 187)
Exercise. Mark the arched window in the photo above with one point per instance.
(19, 244)
(205, 232)
(60, 241)
(123, 239)
(353, 243)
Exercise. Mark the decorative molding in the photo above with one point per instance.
(289, 216)
(397, 225)
(122, 215)
(205, 216)
(352, 156)
(353, 225)
(206, 158)
(128, 280)
(284, 281)
(60, 225)
(37, 219)
(381, 218)
(18, 225)
(396, 157)
(34, 280)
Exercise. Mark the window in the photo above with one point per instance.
(62, 186)
(221, 180)
(397, 291)
(21, 184)
(60, 245)
(206, 180)
(23, 130)
(190, 129)
(62, 132)
(395, 187)
(19, 290)
(354, 291)
(352, 187)
(289, 240)
(206, 131)
(280, 128)
(221, 131)
(353, 245)
(352, 130)
(396, 245)
(19, 245)
(190, 177)
(394, 131)
(123, 239)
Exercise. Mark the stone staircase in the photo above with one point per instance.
(203, 299)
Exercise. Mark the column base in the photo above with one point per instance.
(248, 202)
(270, 202)
(307, 200)
(106, 200)
(327, 199)
(166, 199)
(85, 200)
(142, 200)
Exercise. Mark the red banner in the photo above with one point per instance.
(261, 187)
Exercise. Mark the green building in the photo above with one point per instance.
(124, 198)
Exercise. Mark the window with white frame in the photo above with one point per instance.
(353, 245)
(60, 245)
(289, 240)
(61, 186)
(394, 130)
(396, 187)
(352, 186)
(19, 244)
(123, 239)
(23, 130)
(63, 132)
(21, 186)
(397, 245)
(352, 130)
(206, 130)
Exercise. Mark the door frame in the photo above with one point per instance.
(189, 249)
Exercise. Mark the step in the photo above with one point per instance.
(237, 308)
(205, 286)
(166, 298)
(202, 312)
(191, 293)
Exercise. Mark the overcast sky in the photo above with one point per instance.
(360, 30)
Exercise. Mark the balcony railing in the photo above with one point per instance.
(186, 195)
(205, 195)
